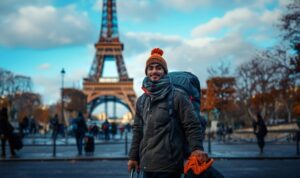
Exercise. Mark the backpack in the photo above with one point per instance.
(105, 126)
(188, 84)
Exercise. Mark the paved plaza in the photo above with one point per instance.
(42, 149)
(233, 159)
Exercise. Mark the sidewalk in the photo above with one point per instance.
(42, 150)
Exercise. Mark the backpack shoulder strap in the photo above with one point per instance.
(141, 103)
(171, 104)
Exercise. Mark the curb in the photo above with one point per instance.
(124, 158)
(72, 144)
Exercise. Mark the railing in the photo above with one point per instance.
(273, 136)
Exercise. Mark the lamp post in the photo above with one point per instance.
(55, 121)
(62, 93)
(63, 72)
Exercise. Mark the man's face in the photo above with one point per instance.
(155, 72)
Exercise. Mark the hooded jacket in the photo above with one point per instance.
(158, 140)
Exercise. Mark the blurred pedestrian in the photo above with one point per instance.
(298, 122)
(105, 129)
(32, 126)
(95, 130)
(23, 126)
(80, 132)
(121, 129)
(114, 129)
(260, 131)
(128, 127)
(220, 132)
(54, 124)
(6, 133)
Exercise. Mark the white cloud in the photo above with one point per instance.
(270, 17)
(139, 42)
(44, 66)
(283, 3)
(185, 5)
(98, 5)
(194, 55)
(9, 6)
(44, 27)
(135, 10)
(139, 10)
(236, 19)
(254, 25)
(49, 86)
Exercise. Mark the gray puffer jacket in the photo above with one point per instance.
(158, 140)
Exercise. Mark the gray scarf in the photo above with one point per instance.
(157, 89)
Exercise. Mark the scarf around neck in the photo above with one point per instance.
(157, 89)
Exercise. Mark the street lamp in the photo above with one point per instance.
(62, 111)
(62, 93)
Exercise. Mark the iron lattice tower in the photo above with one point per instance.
(109, 47)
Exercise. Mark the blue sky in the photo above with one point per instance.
(40, 37)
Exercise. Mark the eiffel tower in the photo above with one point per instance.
(101, 89)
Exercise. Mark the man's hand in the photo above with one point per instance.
(200, 154)
(132, 164)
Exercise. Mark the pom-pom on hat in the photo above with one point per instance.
(156, 57)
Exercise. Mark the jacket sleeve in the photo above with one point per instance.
(137, 134)
(193, 129)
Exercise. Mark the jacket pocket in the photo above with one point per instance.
(161, 115)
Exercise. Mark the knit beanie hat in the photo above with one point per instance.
(156, 57)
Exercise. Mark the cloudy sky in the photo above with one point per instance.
(40, 37)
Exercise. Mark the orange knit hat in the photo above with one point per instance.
(156, 57)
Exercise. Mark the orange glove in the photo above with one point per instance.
(194, 163)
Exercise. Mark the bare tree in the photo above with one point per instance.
(26, 103)
(290, 22)
(286, 85)
(6, 82)
(256, 79)
(11, 83)
(220, 70)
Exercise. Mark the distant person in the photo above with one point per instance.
(80, 132)
(23, 126)
(114, 129)
(260, 130)
(229, 132)
(54, 124)
(6, 132)
(220, 132)
(105, 129)
(121, 129)
(128, 127)
(95, 130)
(32, 126)
(298, 132)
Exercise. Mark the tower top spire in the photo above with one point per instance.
(109, 24)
